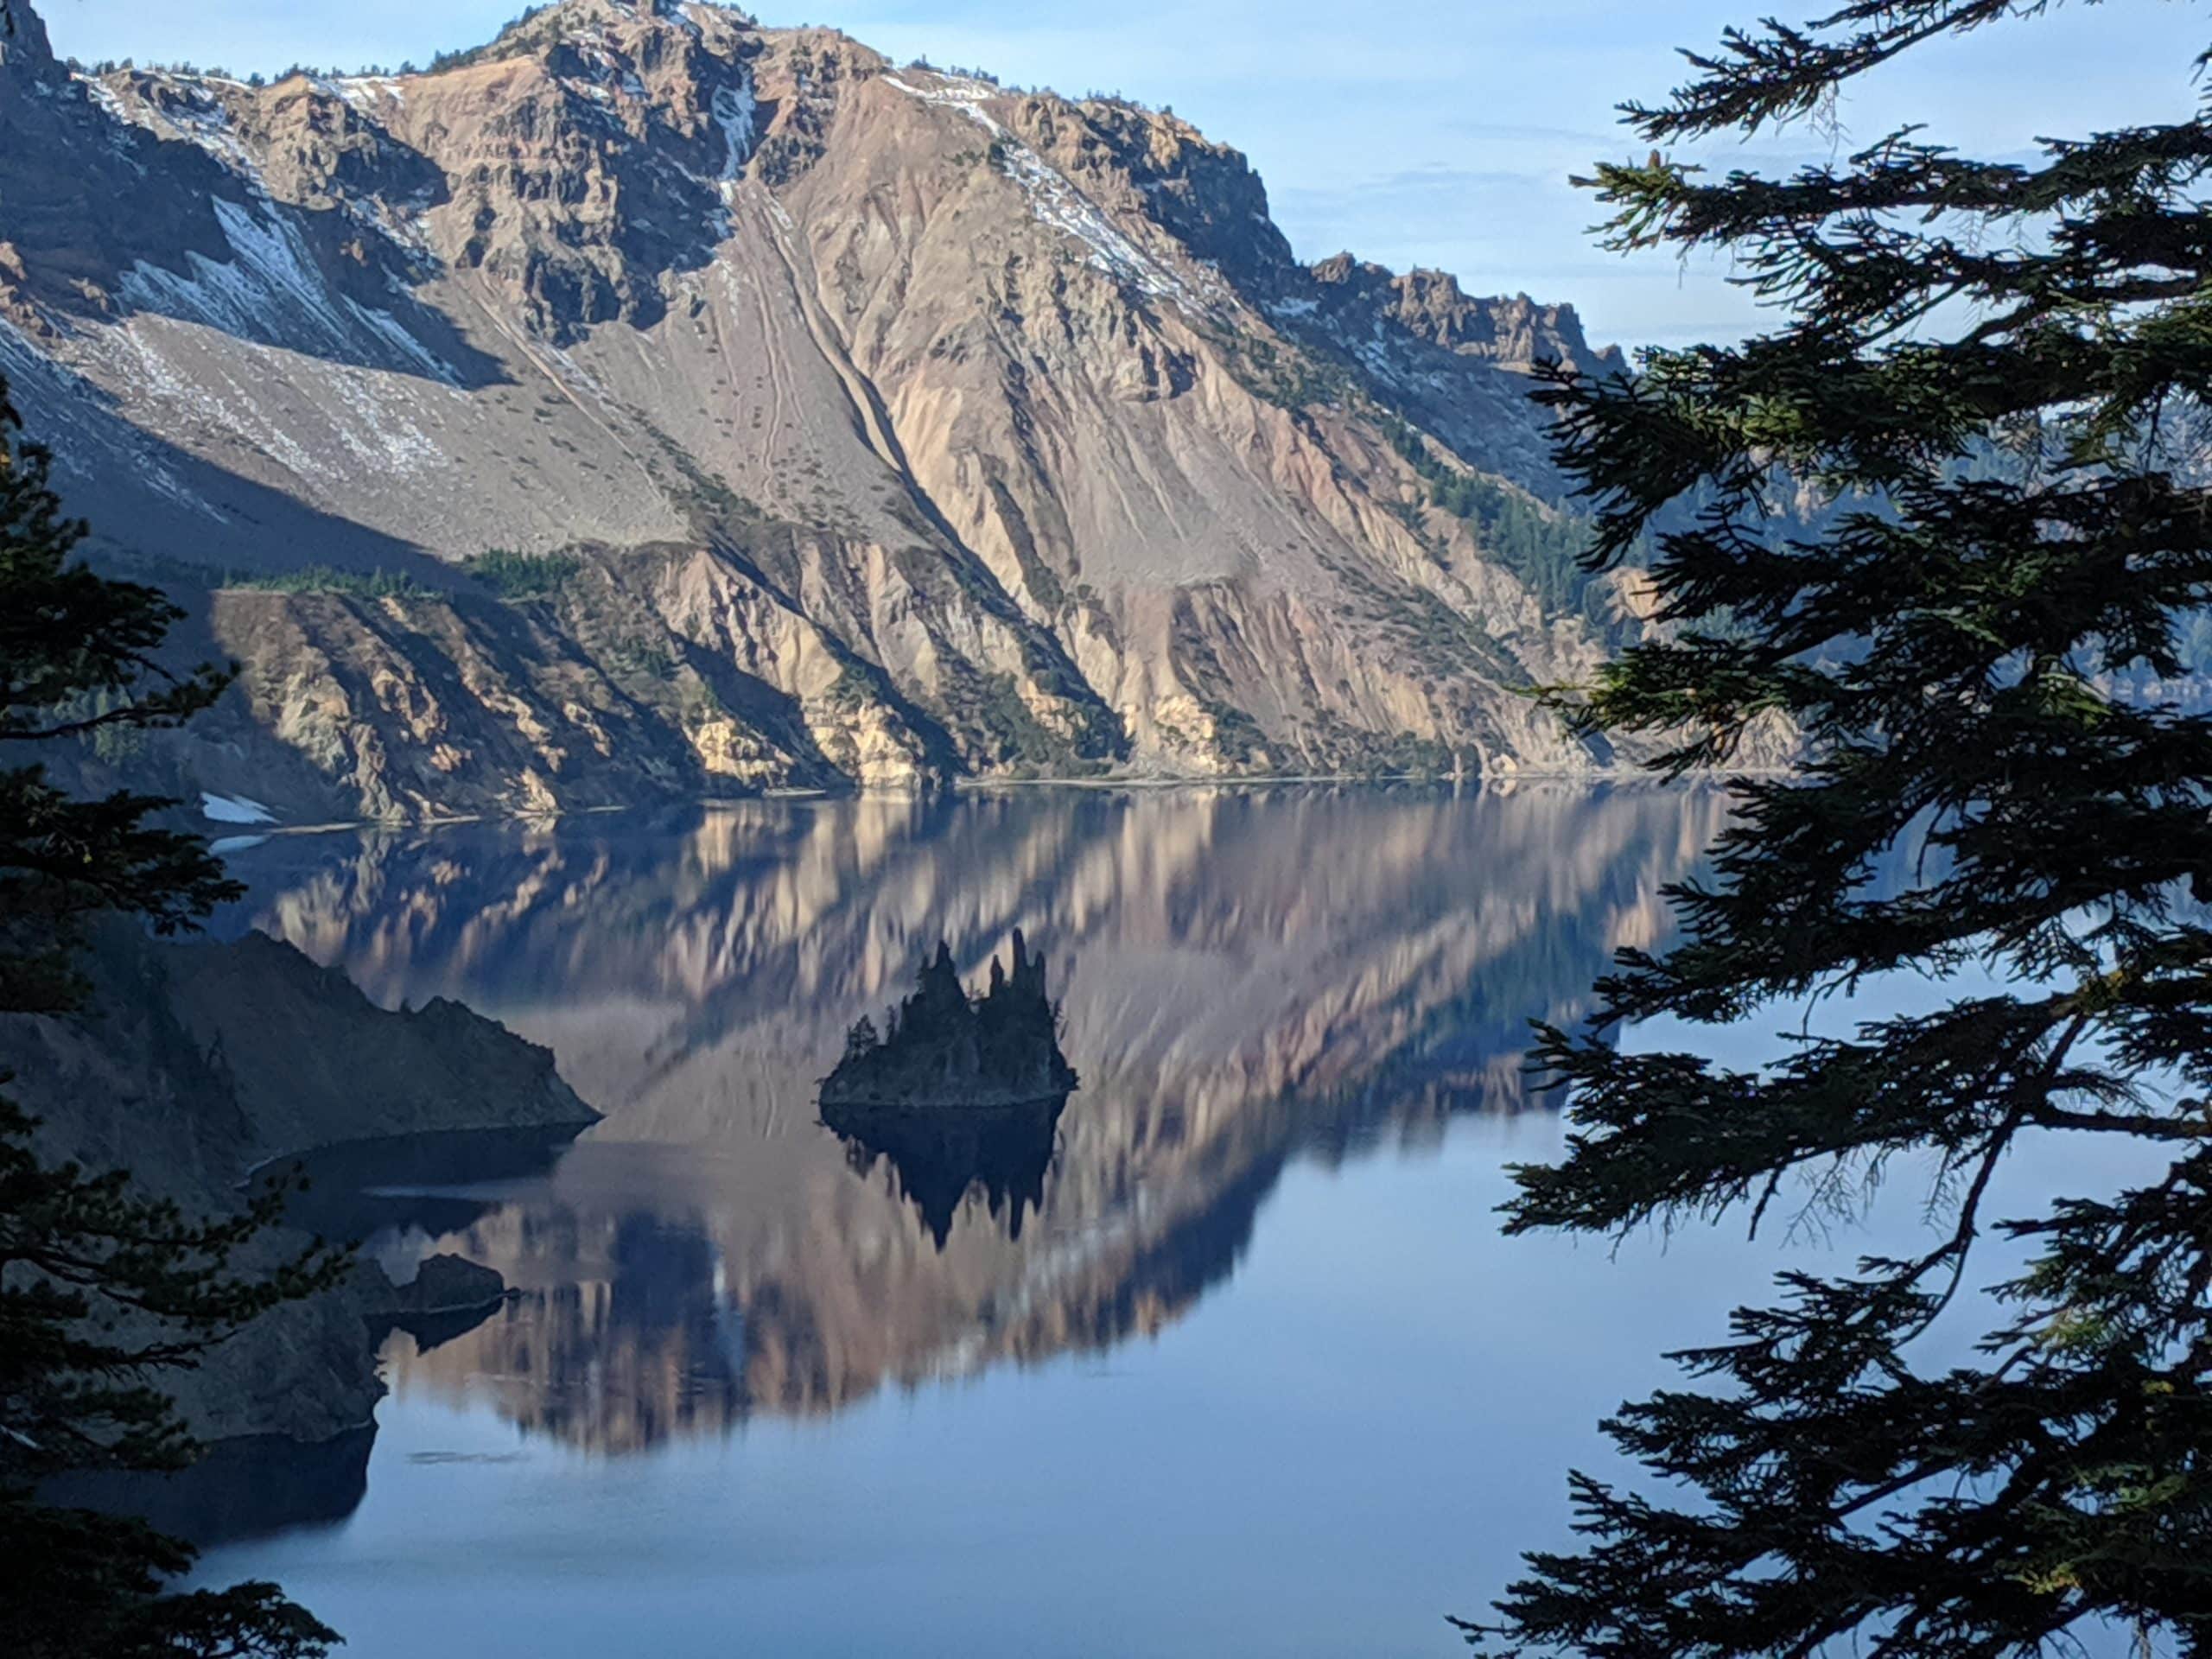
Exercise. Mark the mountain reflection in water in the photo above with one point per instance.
(1248, 975)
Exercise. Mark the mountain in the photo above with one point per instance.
(651, 403)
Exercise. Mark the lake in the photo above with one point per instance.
(1233, 1360)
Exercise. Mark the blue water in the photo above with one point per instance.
(1258, 1373)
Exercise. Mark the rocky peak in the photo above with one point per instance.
(1513, 331)
(1205, 195)
(643, 67)
(571, 163)
(542, 29)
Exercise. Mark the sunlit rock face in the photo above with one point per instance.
(889, 425)
(1246, 977)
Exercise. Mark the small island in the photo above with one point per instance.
(959, 1092)
(946, 1051)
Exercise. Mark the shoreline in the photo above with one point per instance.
(984, 787)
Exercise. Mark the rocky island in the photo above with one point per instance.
(943, 1050)
(957, 1092)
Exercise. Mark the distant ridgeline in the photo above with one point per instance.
(943, 1050)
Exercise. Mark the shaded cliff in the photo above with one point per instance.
(191, 1065)
(743, 410)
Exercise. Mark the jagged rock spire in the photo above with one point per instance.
(941, 1049)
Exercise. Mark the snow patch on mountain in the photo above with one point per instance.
(320, 421)
(367, 94)
(1056, 201)
(733, 109)
(73, 416)
(270, 292)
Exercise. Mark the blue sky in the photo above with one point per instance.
(1437, 132)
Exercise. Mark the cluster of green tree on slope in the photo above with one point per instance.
(1837, 1485)
(101, 1289)
(510, 574)
(1543, 548)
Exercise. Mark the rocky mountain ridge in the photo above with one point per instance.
(846, 424)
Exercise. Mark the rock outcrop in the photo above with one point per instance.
(446, 1284)
(194, 1065)
(448, 1297)
(943, 1050)
(727, 408)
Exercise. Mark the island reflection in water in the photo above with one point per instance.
(939, 1159)
(1248, 976)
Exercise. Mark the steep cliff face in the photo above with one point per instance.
(940, 428)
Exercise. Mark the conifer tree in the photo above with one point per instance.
(1994, 374)
(102, 1290)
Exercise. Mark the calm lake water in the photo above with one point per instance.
(1243, 1365)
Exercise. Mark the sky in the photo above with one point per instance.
(1430, 132)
